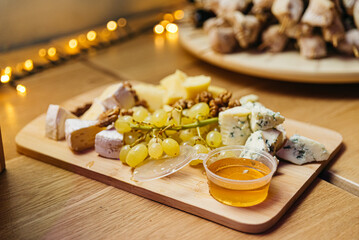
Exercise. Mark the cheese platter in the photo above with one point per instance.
(108, 148)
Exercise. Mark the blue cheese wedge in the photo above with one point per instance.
(300, 150)
(274, 139)
(234, 125)
(108, 143)
(55, 122)
(255, 142)
(80, 134)
(262, 118)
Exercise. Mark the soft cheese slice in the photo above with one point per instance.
(300, 150)
(255, 142)
(117, 95)
(152, 94)
(108, 143)
(263, 118)
(196, 85)
(94, 112)
(234, 125)
(274, 139)
(55, 121)
(80, 134)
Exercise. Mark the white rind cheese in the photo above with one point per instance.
(300, 150)
(234, 125)
(108, 143)
(80, 134)
(55, 122)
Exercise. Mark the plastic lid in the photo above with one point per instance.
(152, 169)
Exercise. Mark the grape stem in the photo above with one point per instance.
(177, 128)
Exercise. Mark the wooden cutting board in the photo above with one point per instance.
(187, 189)
(286, 66)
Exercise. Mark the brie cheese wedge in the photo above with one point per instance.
(80, 134)
(117, 95)
(300, 150)
(108, 143)
(55, 121)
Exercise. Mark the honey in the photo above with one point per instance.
(237, 168)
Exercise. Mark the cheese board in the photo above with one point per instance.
(284, 66)
(186, 189)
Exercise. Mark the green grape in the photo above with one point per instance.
(123, 153)
(159, 118)
(186, 120)
(155, 140)
(140, 114)
(155, 150)
(199, 110)
(122, 124)
(131, 137)
(136, 155)
(187, 143)
(186, 135)
(200, 148)
(185, 112)
(148, 119)
(214, 139)
(170, 147)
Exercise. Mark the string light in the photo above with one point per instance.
(178, 14)
(122, 22)
(8, 70)
(168, 17)
(111, 26)
(164, 23)
(51, 51)
(5, 78)
(73, 43)
(21, 89)
(91, 35)
(28, 65)
(42, 52)
(172, 28)
(158, 29)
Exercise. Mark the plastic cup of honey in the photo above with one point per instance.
(238, 176)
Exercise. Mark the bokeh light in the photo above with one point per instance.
(111, 26)
(158, 29)
(29, 65)
(172, 28)
(178, 14)
(73, 43)
(91, 35)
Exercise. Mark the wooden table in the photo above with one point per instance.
(41, 201)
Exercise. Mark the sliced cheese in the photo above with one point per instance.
(234, 125)
(55, 121)
(274, 139)
(152, 94)
(108, 143)
(80, 134)
(173, 86)
(94, 112)
(216, 91)
(300, 150)
(251, 98)
(196, 85)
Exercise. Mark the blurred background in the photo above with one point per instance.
(24, 22)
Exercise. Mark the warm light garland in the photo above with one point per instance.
(82, 42)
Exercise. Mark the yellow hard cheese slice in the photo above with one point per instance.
(152, 94)
(173, 86)
(195, 85)
(216, 90)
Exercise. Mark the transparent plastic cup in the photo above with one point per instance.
(238, 176)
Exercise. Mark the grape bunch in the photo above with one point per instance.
(161, 133)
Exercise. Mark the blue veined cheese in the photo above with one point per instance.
(255, 142)
(300, 150)
(263, 118)
(234, 125)
(274, 138)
